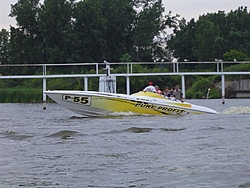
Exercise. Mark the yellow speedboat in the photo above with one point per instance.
(92, 103)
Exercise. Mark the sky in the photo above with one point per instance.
(185, 8)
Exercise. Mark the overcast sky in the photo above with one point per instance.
(185, 8)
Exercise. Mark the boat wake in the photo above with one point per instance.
(237, 110)
(114, 115)
(124, 114)
(129, 113)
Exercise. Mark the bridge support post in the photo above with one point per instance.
(85, 83)
(223, 88)
(44, 87)
(127, 85)
(183, 85)
(44, 95)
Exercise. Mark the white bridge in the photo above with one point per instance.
(109, 78)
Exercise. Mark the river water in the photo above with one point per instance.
(58, 148)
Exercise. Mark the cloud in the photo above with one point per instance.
(5, 20)
(195, 8)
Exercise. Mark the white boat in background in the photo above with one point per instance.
(92, 103)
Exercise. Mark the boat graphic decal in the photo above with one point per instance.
(159, 108)
(145, 105)
(77, 99)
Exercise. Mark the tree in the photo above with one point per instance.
(25, 40)
(87, 31)
(4, 46)
(182, 41)
(89, 26)
(55, 26)
(206, 33)
(212, 35)
(120, 17)
(149, 24)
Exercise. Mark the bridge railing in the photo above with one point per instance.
(127, 67)
(43, 71)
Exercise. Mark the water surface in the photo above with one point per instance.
(58, 148)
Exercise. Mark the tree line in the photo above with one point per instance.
(119, 30)
(85, 31)
(213, 36)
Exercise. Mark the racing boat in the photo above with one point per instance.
(92, 103)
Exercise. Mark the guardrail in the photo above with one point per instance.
(175, 68)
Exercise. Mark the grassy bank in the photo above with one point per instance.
(21, 95)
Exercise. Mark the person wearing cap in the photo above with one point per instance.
(150, 88)
(157, 88)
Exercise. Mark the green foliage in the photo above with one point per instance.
(199, 88)
(206, 32)
(148, 26)
(93, 84)
(198, 95)
(214, 93)
(183, 41)
(53, 31)
(238, 67)
(213, 36)
(234, 54)
(31, 83)
(18, 95)
(188, 94)
(57, 32)
(65, 83)
(25, 42)
(4, 46)
(126, 58)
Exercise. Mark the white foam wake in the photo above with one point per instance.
(237, 110)
(124, 114)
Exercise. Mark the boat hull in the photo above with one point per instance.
(91, 104)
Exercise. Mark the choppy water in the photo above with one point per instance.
(58, 148)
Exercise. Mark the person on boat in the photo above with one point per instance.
(178, 93)
(166, 92)
(169, 93)
(150, 88)
(157, 88)
(172, 92)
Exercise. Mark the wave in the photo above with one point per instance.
(63, 134)
(15, 135)
(174, 129)
(138, 130)
(143, 130)
(237, 110)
